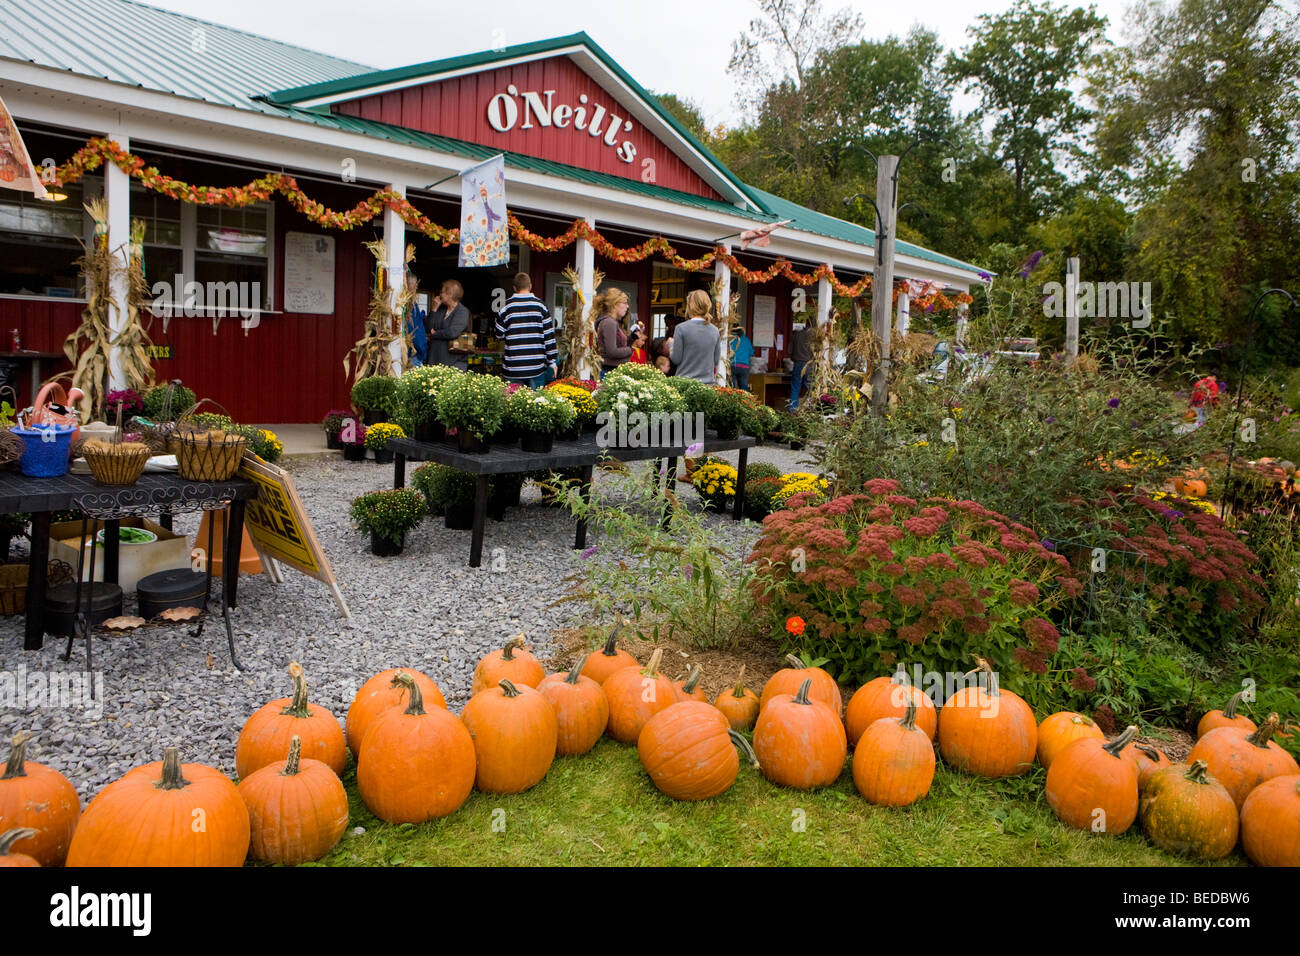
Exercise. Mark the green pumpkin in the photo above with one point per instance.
(1186, 811)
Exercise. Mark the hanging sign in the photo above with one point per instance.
(16, 170)
(484, 233)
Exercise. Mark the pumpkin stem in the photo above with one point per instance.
(652, 668)
(1230, 711)
(1198, 772)
(17, 757)
(744, 747)
(794, 662)
(295, 754)
(802, 696)
(1123, 740)
(1151, 752)
(738, 691)
(909, 718)
(692, 680)
(576, 671)
(298, 704)
(610, 650)
(507, 688)
(508, 652)
(407, 682)
(172, 778)
(1264, 734)
(10, 837)
(984, 669)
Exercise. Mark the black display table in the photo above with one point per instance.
(583, 453)
(152, 493)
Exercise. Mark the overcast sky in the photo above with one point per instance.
(676, 46)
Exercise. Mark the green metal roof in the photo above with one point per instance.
(142, 46)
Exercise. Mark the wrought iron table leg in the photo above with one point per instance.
(742, 465)
(34, 633)
(234, 545)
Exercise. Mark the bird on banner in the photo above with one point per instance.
(761, 236)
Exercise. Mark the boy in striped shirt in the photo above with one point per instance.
(526, 327)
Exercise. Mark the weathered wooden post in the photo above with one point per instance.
(882, 283)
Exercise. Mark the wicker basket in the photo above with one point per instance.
(209, 456)
(13, 584)
(11, 447)
(115, 464)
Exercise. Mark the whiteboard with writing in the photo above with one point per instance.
(308, 273)
(764, 321)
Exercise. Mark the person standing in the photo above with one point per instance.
(528, 331)
(414, 323)
(801, 356)
(448, 320)
(697, 345)
(742, 355)
(611, 341)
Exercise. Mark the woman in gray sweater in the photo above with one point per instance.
(697, 345)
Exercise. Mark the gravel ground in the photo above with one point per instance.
(423, 609)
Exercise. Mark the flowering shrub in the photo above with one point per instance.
(132, 403)
(377, 393)
(800, 488)
(443, 487)
(882, 578)
(625, 392)
(716, 483)
(416, 400)
(377, 435)
(155, 402)
(474, 402)
(584, 406)
(264, 443)
(332, 423)
(542, 411)
(388, 514)
(586, 384)
(353, 432)
(732, 409)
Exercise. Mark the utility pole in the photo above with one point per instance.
(1071, 310)
(882, 282)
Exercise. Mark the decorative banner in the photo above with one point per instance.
(484, 229)
(280, 528)
(16, 171)
(762, 236)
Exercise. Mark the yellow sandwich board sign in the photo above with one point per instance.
(280, 528)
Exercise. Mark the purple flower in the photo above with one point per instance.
(1113, 403)
(1030, 264)
(985, 276)
(1048, 545)
(1050, 420)
(589, 552)
(688, 570)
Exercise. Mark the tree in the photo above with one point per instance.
(1022, 63)
(688, 113)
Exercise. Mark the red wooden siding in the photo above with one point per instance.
(458, 108)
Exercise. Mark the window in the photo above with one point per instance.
(233, 245)
(164, 253)
(39, 245)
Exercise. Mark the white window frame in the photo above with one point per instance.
(92, 188)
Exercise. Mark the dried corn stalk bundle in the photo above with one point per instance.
(826, 378)
(371, 356)
(578, 337)
(132, 343)
(89, 348)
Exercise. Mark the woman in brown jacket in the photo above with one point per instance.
(611, 308)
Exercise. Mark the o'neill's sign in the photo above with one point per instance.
(506, 110)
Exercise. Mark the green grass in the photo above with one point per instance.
(601, 809)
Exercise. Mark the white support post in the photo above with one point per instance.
(904, 321)
(1071, 309)
(395, 247)
(586, 268)
(882, 284)
(117, 192)
(722, 272)
(825, 300)
(963, 318)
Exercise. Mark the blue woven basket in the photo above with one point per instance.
(43, 457)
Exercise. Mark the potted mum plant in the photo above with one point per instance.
(332, 424)
(387, 516)
(539, 416)
(450, 492)
(416, 401)
(729, 411)
(352, 436)
(716, 484)
(474, 405)
(584, 406)
(377, 440)
(375, 396)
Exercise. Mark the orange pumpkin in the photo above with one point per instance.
(1091, 786)
(1146, 760)
(635, 695)
(739, 704)
(297, 808)
(690, 689)
(608, 660)
(689, 751)
(510, 663)
(8, 856)
(36, 797)
(382, 693)
(893, 763)
(514, 733)
(1228, 717)
(799, 741)
(788, 680)
(1186, 811)
(987, 731)
(888, 697)
(1060, 730)
(266, 735)
(1242, 760)
(581, 710)
(415, 765)
(1270, 822)
(164, 814)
